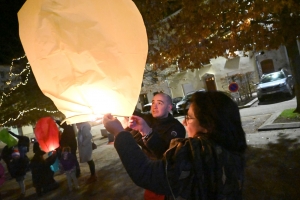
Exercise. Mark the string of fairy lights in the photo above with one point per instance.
(13, 77)
(21, 113)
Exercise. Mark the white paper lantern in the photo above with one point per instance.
(88, 57)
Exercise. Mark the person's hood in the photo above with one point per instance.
(37, 149)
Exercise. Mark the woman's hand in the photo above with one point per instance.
(139, 124)
(112, 124)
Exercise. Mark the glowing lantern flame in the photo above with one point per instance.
(87, 56)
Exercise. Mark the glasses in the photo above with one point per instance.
(187, 118)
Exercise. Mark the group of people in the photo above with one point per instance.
(42, 174)
(42, 169)
(208, 163)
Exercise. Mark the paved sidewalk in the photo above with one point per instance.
(260, 130)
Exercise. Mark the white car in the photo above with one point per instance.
(276, 82)
(183, 105)
(147, 108)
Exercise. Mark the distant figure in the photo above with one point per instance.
(68, 139)
(18, 166)
(42, 175)
(2, 176)
(6, 154)
(84, 139)
(68, 164)
(23, 143)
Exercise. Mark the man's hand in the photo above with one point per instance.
(139, 124)
(112, 124)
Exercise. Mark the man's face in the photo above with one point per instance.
(160, 107)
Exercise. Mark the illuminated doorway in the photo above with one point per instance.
(209, 82)
(267, 66)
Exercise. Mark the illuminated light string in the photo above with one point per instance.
(21, 113)
(24, 70)
(12, 64)
(9, 82)
(14, 88)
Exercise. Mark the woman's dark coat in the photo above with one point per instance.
(192, 168)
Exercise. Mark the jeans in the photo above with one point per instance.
(71, 176)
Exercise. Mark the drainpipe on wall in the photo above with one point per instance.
(287, 57)
(170, 91)
(258, 67)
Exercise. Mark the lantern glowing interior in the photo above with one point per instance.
(47, 134)
(87, 56)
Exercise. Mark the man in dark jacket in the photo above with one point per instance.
(42, 175)
(162, 127)
(68, 137)
(155, 136)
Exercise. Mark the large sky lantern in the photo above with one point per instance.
(47, 134)
(88, 57)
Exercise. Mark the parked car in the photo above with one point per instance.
(147, 108)
(174, 102)
(275, 83)
(183, 105)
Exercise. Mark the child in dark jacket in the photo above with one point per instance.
(23, 143)
(68, 164)
(2, 176)
(18, 166)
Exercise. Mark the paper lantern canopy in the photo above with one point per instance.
(88, 57)
(47, 134)
(7, 138)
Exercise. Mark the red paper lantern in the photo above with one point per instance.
(47, 134)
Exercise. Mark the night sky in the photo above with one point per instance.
(10, 45)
